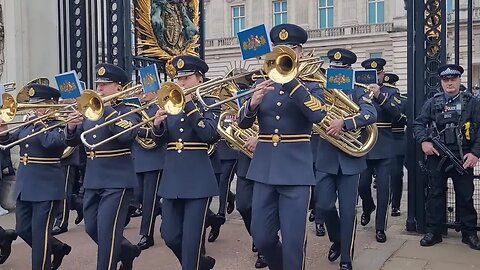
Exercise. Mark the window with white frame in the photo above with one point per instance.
(238, 19)
(279, 12)
(376, 11)
(325, 14)
(376, 55)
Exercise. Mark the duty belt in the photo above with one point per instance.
(38, 160)
(108, 153)
(180, 146)
(384, 125)
(283, 138)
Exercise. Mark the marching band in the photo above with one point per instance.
(115, 145)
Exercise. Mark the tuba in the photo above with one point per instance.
(339, 107)
(228, 127)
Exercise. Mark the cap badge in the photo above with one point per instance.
(283, 35)
(374, 64)
(337, 56)
(31, 92)
(180, 63)
(386, 78)
(101, 71)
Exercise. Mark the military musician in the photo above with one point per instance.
(338, 172)
(40, 181)
(188, 179)
(387, 103)
(110, 174)
(281, 167)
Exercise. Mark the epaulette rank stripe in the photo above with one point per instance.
(314, 104)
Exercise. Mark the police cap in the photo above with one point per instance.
(450, 71)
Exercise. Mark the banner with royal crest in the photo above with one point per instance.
(366, 76)
(340, 78)
(149, 78)
(69, 85)
(254, 42)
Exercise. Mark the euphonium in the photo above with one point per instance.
(341, 107)
(145, 143)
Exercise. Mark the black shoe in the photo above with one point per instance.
(254, 248)
(261, 261)
(395, 212)
(365, 218)
(311, 217)
(430, 239)
(145, 242)
(230, 202)
(127, 261)
(320, 229)
(59, 230)
(59, 255)
(381, 236)
(137, 213)
(6, 245)
(207, 263)
(215, 230)
(79, 217)
(346, 266)
(472, 241)
(334, 252)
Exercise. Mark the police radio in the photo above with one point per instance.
(448, 122)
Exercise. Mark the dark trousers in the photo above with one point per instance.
(318, 215)
(105, 213)
(340, 230)
(382, 169)
(150, 182)
(226, 177)
(182, 229)
(437, 192)
(34, 225)
(280, 208)
(244, 200)
(396, 180)
(63, 213)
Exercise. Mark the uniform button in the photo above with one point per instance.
(279, 104)
(277, 117)
(33, 130)
(96, 125)
(281, 92)
(179, 151)
(181, 129)
(275, 144)
(182, 119)
(276, 130)
(94, 136)
(26, 145)
(25, 154)
(180, 140)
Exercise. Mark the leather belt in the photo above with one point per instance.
(180, 146)
(283, 138)
(108, 153)
(384, 125)
(39, 160)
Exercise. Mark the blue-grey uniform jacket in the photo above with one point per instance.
(39, 176)
(398, 128)
(329, 157)
(111, 164)
(188, 172)
(283, 155)
(388, 110)
(147, 160)
(73, 159)
(226, 152)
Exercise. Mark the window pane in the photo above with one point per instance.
(242, 24)
(330, 3)
(330, 17)
(235, 12)
(376, 55)
(322, 3)
(323, 20)
(371, 13)
(450, 6)
(276, 19)
(284, 6)
(380, 12)
(276, 7)
(284, 18)
(242, 11)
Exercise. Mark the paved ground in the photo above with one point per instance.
(232, 250)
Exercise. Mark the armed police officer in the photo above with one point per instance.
(109, 175)
(447, 129)
(281, 167)
(386, 101)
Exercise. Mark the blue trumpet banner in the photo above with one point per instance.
(69, 85)
(340, 78)
(366, 76)
(84, 85)
(150, 79)
(254, 42)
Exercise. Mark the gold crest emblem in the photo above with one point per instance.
(101, 71)
(283, 35)
(31, 92)
(386, 78)
(374, 64)
(180, 63)
(337, 56)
